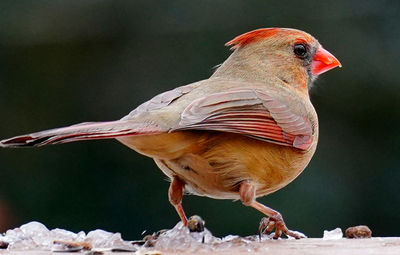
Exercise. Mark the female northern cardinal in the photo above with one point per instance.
(245, 132)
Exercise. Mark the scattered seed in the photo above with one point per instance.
(74, 245)
(94, 253)
(196, 224)
(361, 231)
(3, 245)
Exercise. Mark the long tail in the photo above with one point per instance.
(79, 132)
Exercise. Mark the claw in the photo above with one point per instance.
(267, 225)
(268, 230)
(263, 226)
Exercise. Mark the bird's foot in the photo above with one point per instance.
(268, 224)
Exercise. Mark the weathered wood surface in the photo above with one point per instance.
(309, 246)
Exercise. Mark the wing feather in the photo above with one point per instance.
(249, 112)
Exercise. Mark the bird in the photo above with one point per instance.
(243, 133)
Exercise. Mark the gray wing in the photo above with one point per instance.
(160, 101)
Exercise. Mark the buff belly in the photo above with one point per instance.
(213, 164)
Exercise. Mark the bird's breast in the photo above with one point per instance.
(213, 164)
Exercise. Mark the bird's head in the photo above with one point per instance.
(292, 55)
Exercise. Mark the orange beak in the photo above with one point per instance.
(323, 61)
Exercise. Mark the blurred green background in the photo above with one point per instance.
(64, 62)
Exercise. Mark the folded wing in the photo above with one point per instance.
(249, 112)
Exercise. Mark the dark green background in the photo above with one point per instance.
(64, 62)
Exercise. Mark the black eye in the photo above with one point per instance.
(300, 50)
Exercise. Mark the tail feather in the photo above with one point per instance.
(79, 132)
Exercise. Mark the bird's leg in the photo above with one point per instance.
(175, 194)
(247, 194)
